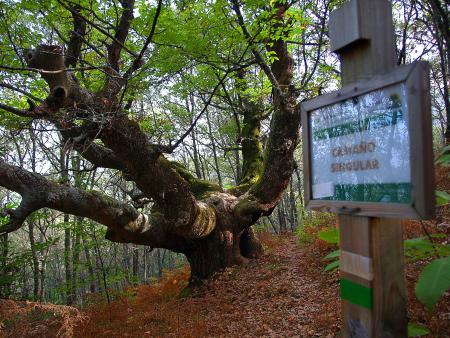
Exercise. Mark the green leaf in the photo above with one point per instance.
(333, 254)
(415, 330)
(419, 247)
(442, 198)
(444, 160)
(332, 266)
(433, 281)
(330, 236)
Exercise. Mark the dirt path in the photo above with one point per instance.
(280, 294)
(285, 293)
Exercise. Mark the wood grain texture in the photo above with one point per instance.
(420, 130)
(377, 54)
(389, 312)
(355, 264)
(376, 238)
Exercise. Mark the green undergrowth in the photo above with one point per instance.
(313, 224)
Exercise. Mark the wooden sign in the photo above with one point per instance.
(368, 147)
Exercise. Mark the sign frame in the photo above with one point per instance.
(416, 78)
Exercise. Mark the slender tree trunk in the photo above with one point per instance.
(274, 226)
(214, 150)
(160, 259)
(135, 251)
(34, 260)
(237, 165)
(42, 269)
(25, 289)
(68, 261)
(191, 108)
(76, 249)
(293, 206)
(281, 216)
(5, 291)
(440, 18)
(92, 275)
(145, 265)
(126, 263)
(300, 197)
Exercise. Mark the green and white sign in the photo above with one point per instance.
(360, 148)
(367, 147)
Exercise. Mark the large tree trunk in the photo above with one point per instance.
(221, 249)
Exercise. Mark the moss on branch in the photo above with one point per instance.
(200, 188)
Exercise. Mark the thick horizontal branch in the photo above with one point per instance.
(126, 224)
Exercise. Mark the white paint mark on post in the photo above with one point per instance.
(357, 265)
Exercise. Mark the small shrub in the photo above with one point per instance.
(308, 233)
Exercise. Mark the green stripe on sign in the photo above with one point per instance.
(356, 293)
(375, 192)
(388, 118)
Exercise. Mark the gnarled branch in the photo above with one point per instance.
(38, 192)
(124, 222)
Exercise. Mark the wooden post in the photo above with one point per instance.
(372, 265)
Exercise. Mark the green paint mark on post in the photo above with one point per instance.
(356, 293)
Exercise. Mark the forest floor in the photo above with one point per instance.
(285, 293)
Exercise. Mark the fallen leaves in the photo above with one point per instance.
(285, 293)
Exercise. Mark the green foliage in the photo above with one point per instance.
(329, 233)
(261, 226)
(332, 266)
(415, 330)
(433, 281)
(332, 254)
(444, 158)
(305, 235)
(331, 236)
(421, 248)
(442, 198)
(5, 218)
(308, 233)
(14, 262)
(334, 257)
